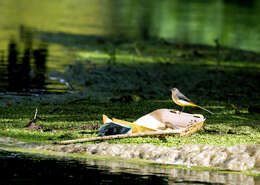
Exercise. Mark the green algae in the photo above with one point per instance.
(69, 122)
(138, 83)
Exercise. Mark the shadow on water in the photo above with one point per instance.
(25, 72)
(20, 168)
(19, 69)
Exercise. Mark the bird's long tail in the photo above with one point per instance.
(205, 109)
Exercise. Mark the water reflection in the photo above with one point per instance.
(27, 168)
(195, 21)
(19, 68)
(12, 65)
(77, 23)
(25, 69)
(40, 56)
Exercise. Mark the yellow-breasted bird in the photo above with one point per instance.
(183, 101)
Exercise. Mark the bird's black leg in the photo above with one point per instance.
(181, 110)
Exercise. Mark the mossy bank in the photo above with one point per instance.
(134, 80)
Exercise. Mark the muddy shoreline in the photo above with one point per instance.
(235, 158)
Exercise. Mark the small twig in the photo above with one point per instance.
(36, 117)
(138, 52)
(188, 131)
(35, 114)
(77, 100)
(53, 110)
(224, 132)
(32, 125)
(218, 52)
(88, 132)
(117, 136)
(34, 120)
(209, 131)
(205, 129)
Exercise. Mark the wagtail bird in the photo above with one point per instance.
(183, 101)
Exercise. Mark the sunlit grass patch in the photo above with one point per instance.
(226, 127)
(42, 136)
(133, 79)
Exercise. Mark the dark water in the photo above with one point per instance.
(37, 37)
(20, 168)
(30, 169)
